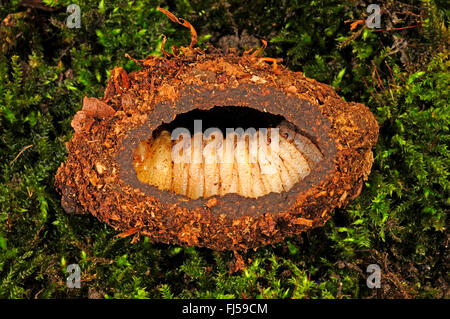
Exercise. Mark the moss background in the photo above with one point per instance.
(399, 222)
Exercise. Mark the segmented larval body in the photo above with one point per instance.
(251, 164)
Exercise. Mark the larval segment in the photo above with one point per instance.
(181, 150)
(196, 179)
(156, 168)
(311, 152)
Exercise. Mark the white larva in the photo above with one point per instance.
(251, 165)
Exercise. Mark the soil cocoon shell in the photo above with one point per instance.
(99, 176)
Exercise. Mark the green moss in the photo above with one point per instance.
(399, 221)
